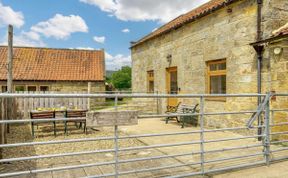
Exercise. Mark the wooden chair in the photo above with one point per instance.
(42, 115)
(173, 110)
(76, 114)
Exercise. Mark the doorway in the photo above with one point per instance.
(172, 85)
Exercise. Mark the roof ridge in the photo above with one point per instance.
(32, 47)
(199, 12)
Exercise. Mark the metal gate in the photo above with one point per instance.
(270, 148)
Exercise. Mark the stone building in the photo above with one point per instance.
(275, 68)
(207, 50)
(47, 69)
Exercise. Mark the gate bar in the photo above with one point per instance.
(220, 169)
(128, 160)
(267, 131)
(202, 134)
(116, 148)
(23, 95)
(120, 137)
(55, 169)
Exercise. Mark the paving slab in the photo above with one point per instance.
(150, 126)
(147, 126)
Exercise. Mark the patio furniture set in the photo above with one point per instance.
(52, 114)
(81, 115)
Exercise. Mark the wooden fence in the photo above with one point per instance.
(25, 105)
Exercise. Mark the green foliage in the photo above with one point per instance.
(121, 79)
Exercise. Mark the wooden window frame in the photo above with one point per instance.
(215, 73)
(20, 86)
(149, 79)
(31, 86)
(44, 86)
(2, 86)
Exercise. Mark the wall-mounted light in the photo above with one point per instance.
(277, 50)
(169, 58)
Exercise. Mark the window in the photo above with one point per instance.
(32, 88)
(4, 89)
(150, 77)
(19, 88)
(217, 77)
(44, 88)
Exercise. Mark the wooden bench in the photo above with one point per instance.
(181, 109)
(173, 110)
(76, 114)
(42, 115)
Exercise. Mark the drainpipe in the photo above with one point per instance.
(259, 49)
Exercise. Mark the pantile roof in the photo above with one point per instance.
(48, 64)
(194, 14)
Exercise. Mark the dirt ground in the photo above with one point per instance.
(22, 133)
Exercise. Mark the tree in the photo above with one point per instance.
(121, 79)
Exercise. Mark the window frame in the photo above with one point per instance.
(19, 86)
(6, 88)
(215, 73)
(44, 86)
(31, 86)
(150, 78)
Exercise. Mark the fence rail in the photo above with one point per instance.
(263, 111)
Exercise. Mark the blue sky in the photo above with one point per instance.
(88, 24)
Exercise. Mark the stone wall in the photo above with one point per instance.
(275, 66)
(275, 13)
(277, 80)
(221, 35)
(65, 86)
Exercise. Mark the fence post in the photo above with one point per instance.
(157, 99)
(267, 131)
(202, 133)
(2, 127)
(116, 140)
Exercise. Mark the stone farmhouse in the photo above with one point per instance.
(223, 46)
(48, 69)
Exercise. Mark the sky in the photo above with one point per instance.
(88, 24)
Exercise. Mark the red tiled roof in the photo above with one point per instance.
(199, 12)
(54, 64)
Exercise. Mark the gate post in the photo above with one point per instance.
(267, 131)
(116, 135)
(202, 134)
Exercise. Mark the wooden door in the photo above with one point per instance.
(172, 85)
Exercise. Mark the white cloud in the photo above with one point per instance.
(9, 16)
(60, 27)
(24, 40)
(116, 62)
(141, 10)
(32, 35)
(104, 5)
(85, 48)
(126, 30)
(99, 39)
